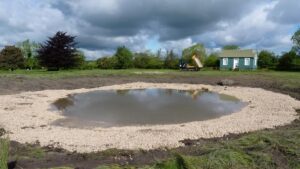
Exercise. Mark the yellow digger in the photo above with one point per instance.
(185, 66)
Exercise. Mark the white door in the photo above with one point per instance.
(235, 63)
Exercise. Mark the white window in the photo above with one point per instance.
(225, 61)
(247, 61)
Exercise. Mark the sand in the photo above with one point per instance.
(28, 118)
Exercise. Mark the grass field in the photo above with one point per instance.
(157, 72)
(289, 79)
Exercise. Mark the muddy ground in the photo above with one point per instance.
(12, 85)
(47, 157)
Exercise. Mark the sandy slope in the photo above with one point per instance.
(28, 117)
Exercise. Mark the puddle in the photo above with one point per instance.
(143, 107)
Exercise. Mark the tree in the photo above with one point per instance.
(266, 59)
(58, 52)
(124, 58)
(212, 60)
(286, 61)
(296, 41)
(171, 60)
(197, 49)
(231, 47)
(11, 58)
(29, 51)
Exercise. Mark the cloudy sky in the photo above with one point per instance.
(102, 25)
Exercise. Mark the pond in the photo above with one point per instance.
(115, 108)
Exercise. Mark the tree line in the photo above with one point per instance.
(60, 52)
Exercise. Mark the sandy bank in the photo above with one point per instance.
(28, 117)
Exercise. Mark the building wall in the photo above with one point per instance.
(241, 64)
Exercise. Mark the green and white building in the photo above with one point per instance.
(238, 59)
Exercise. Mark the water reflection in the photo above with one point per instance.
(147, 106)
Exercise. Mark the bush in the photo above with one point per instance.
(107, 63)
(212, 61)
(31, 63)
(29, 51)
(79, 60)
(89, 65)
(156, 63)
(171, 61)
(124, 58)
(147, 61)
(289, 61)
(267, 59)
(296, 64)
(11, 58)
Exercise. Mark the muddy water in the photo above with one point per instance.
(145, 107)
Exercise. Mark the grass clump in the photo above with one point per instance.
(4, 152)
(221, 159)
(36, 153)
(115, 167)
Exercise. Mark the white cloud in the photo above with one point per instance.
(254, 30)
(178, 45)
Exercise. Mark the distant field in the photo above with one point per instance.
(158, 72)
(289, 79)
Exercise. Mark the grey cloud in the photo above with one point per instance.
(286, 12)
(102, 25)
(174, 19)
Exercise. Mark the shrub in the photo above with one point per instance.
(89, 65)
(147, 61)
(124, 58)
(107, 62)
(296, 64)
(171, 60)
(79, 60)
(11, 58)
(156, 63)
(212, 61)
(29, 51)
(288, 61)
(267, 59)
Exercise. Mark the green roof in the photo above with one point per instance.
(238, 53)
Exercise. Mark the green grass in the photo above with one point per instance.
(263, 149)
(4, 151)
(31, 152)
(267, 149)
(145, 72)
